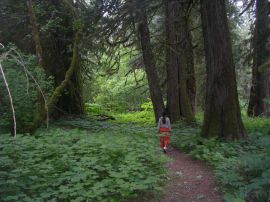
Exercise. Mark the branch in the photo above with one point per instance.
(19, 60)
(264, 67)
(35, 81)
(10, 98)
(189, 8)
(58, 90)
(247, 7)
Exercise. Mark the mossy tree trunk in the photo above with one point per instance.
(53, 100)
(180, 66)
(260, 88)
(149, 62)
(35, 33)
(57, 57)
(55, 60)
(54, 56)
(222, 116)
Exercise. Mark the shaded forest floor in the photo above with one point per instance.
(189, 180)
(240, 168)
(120, 160)
(224, 166)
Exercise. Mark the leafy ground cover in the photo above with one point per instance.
(77, 165)
(241, 168)
(120, 159)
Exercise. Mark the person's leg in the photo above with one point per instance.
(166, 140)
(164, 144)
(161, 141)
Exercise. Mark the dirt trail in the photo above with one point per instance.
(190, 180)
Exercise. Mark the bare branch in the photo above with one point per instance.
(38, 86)
(247, 7)
(10, 98)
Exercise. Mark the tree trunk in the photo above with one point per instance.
(260, 88)
(222, 116)
(180, 67)
(35, 33)
(57, 57)
(39, 53)
(173, 96)
(149, 62)
(191, 80)
(40, 116)
(55, 60)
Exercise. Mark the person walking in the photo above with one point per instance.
(164, 127)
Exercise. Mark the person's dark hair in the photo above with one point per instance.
(164, 117)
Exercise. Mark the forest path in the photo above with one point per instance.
(190, 180)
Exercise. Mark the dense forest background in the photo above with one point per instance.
(206, 63)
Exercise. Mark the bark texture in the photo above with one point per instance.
(191, 79)
(260, 88)
(57, 58)
(173, 93)
(38, 47)
(149, 62)
(35, 32)
(40, 116)
(180, 67)
(222, 116)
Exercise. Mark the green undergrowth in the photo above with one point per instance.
(82, 159)
(118, 125)
(144, 118)
(242, 168)
(107, 164)
(254, 125)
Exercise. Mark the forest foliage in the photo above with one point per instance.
(113, 67)
(77, 165)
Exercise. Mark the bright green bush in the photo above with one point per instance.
(74, 165)
(259, 124)
(93, 108)
(141, 117)
(147, 106)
